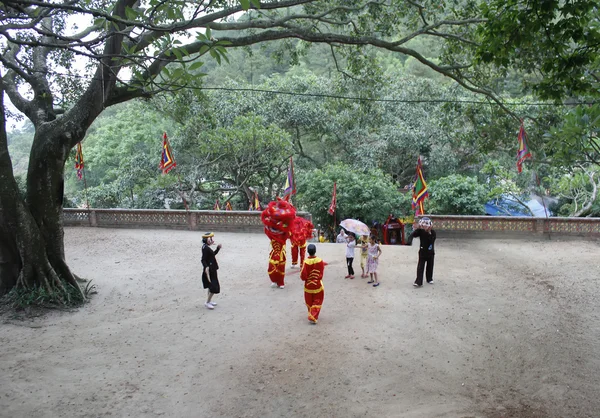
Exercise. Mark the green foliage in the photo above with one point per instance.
(226, 140)
(366, 195)
(577, 140)
(122, 151)
(456, 195)
(19, 146)
(64, 296)
(578, 191)
(558, 39)
(22, 185)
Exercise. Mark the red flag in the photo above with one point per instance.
(79, 161)
(333, 204)
(167, 162)
(217, 206)
(523, 152)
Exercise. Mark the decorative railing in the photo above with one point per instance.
(195, 220)
(249, 221)
(516, 226)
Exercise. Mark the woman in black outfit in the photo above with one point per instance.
(210, 266)
(426, 251)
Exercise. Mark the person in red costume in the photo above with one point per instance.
(312, 275)
(301, 230)
(277, 218)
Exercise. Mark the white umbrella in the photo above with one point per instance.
(355, 226)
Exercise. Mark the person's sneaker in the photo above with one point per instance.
(274, 285)
(213, 303)
(351, 277)
(347, 277)
(294, 266)
(209, 305)
(282, 287)
(416, 285)
(430, 282)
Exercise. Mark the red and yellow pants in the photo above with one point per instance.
(298, 249)
(276, 269)
(314, 301)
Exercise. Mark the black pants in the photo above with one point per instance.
(349, 264)
(425, 259)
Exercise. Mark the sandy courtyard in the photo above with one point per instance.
(509, 329)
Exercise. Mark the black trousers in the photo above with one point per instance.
(425, 259)
(349, 264)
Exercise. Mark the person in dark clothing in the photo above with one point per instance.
(427, 236)
(210, 266)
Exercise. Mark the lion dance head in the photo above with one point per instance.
(277, 218)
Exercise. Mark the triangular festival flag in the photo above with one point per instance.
(256, 201)
(217, 206)
(167, 162)
(290, 183)
(523, 152)
(228, 206)
(79, 161)
(333, 204)
(419, 190)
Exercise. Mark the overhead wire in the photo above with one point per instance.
(355, 98)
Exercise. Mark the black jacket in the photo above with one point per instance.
(427, 240)
(208, 257)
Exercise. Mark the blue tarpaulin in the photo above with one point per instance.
(507, 206)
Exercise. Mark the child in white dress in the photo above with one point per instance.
(373, 253)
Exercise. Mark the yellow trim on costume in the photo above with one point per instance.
(303, 245)
(319, 290)
(311, 261)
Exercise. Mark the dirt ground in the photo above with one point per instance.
(509, 329)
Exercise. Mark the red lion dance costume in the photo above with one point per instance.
(301, 230)
(277, 218)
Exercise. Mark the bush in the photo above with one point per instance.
(456, 195)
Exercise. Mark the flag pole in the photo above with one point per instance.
(87, 202)
(185, 204)
(522, 154)
(334, 213)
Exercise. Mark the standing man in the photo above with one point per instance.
(426, 251)
(312, 275)
(210, 266)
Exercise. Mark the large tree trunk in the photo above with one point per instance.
(31, 248)
(10, 262)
